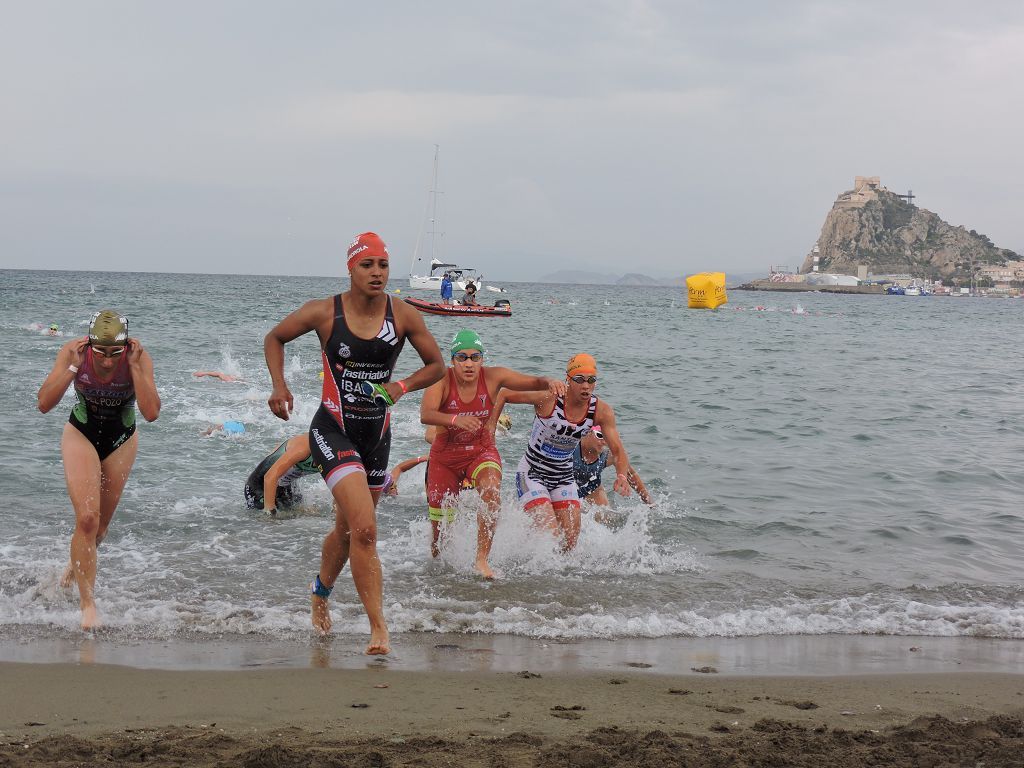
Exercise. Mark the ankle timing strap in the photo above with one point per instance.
(318, 589)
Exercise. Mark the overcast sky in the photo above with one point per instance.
(657, 137)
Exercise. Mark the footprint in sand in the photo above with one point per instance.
(567, 713)
(797, 704)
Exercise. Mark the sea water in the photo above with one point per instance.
(825, 464)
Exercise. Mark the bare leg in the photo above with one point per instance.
(488, 483)
(544, 515)
(435, 535)
(354, 539)
(569, 523)
(94, 490)
(333, 557)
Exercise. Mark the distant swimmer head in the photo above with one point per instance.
(54, 327)
(505, 422)
(233, 427)
(366, 246)
(581, 365)
(597, 432)
(467, 341)
(108, 329)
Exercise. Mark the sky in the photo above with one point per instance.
(667, 138)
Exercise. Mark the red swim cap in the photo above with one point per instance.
(367, 246)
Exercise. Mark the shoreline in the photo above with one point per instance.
(756, 656)
(67, 714)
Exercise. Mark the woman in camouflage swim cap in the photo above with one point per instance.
(111, 373)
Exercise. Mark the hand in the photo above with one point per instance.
(134, 351)
(394, 390)
(468, 423)
(621, 486)
(557, 388)
(76, 351)
(281, 402)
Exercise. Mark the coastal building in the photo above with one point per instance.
(1005, 273)
(865, 189)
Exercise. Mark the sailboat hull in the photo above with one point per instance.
(431, 283)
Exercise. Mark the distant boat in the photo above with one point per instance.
(501, 308)
(430, 279)
(912, 290)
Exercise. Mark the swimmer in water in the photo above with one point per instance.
(216, 375)
(589, 460)
(272, 484)
(228, 428)
(111, 373)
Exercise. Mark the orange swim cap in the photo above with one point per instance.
(367, 246)
(581, 364)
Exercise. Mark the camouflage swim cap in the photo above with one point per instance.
(108, 329)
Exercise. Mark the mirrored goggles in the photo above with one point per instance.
(108, 351)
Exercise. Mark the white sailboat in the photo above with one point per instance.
(430, 279)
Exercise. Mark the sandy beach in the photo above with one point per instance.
(69, 714)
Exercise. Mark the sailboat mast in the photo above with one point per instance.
(433, 208)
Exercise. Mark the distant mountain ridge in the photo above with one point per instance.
(584, 277)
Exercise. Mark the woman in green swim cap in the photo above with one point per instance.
(462, 406)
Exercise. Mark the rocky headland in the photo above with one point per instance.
(870, 225)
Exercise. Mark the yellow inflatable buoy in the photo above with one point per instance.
(706, 290)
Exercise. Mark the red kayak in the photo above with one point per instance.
(501, 308)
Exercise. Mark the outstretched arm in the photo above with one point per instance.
(404, 466)
(606, 417)
(522, 382)
(62, 374)
(638, 485)
(297, 450)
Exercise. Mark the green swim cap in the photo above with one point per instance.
(467, 340)
(108, 329)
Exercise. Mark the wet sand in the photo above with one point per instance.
(86, 714)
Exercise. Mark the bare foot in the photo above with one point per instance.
(68, 577)
(321, 615)
(483, 568)
(90, 618)
(380, 643)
